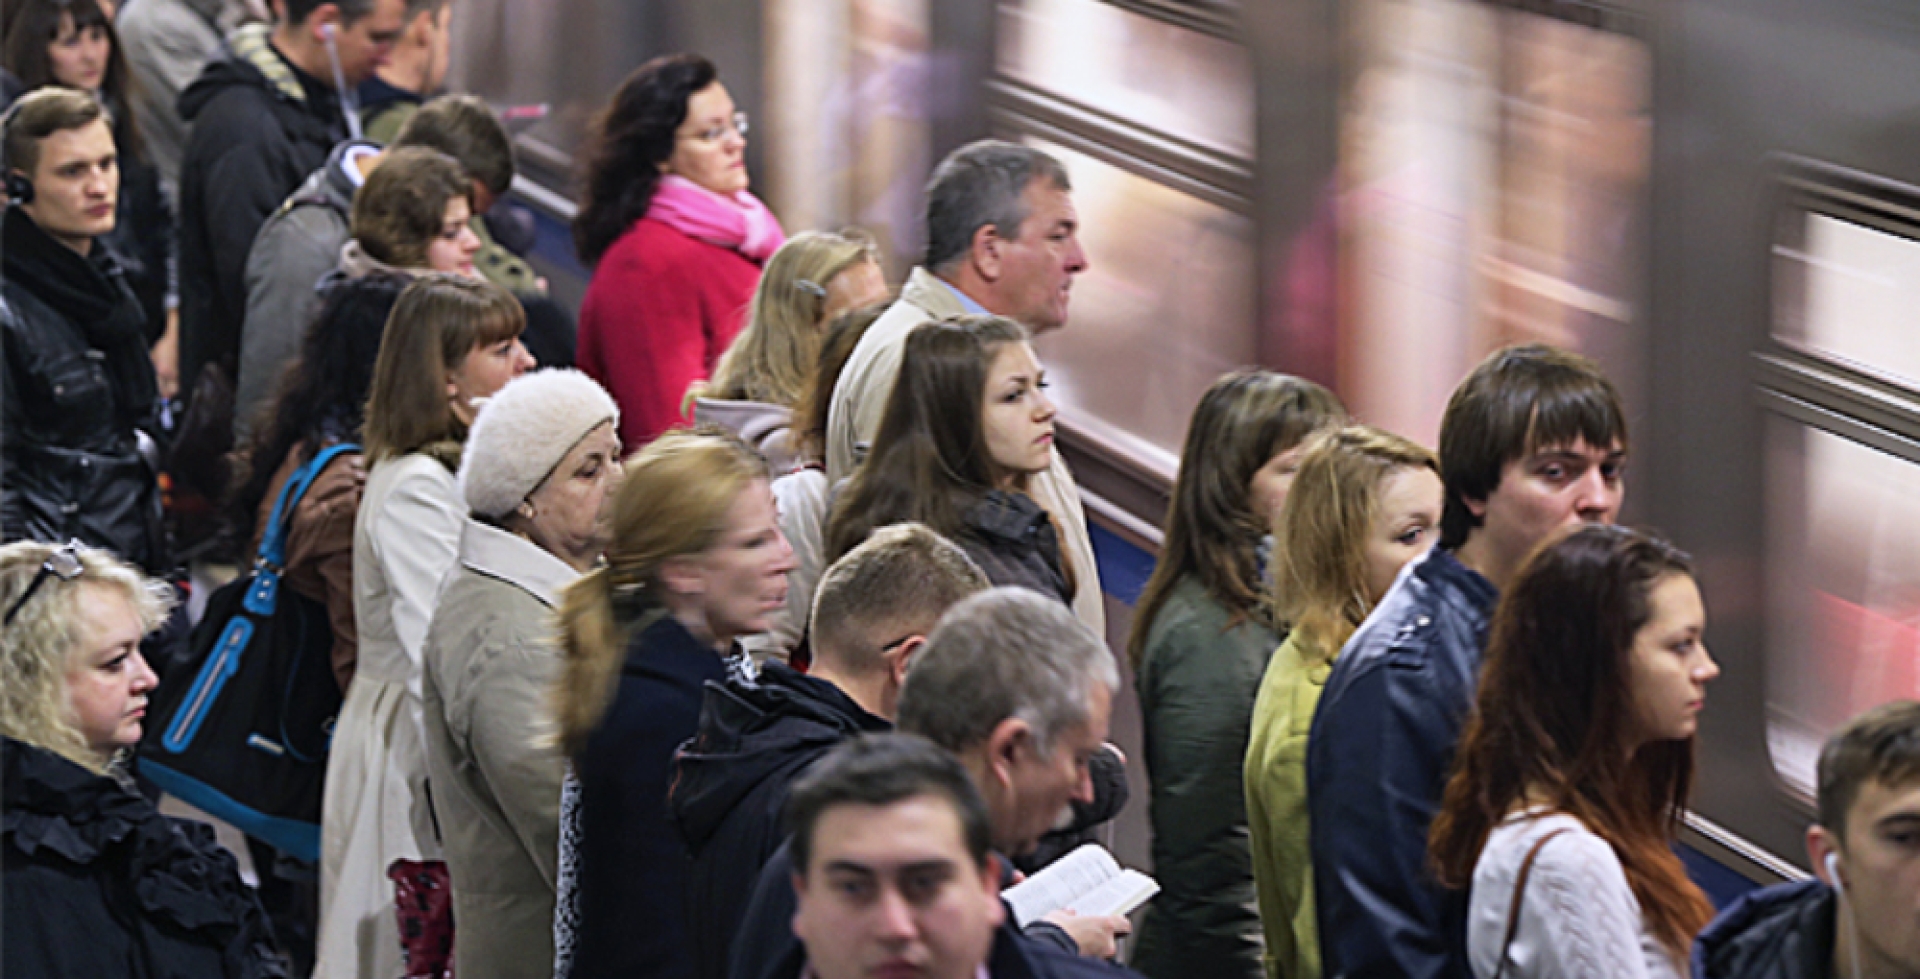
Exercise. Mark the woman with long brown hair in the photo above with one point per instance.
(1202, 633)
(1571, 777)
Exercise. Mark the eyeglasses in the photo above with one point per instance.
(63, 564)
(738, 126)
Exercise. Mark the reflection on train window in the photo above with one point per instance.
(1166, 78)
(1493, 181)
(1852, 294)
(1165, 307)
(1843, 609)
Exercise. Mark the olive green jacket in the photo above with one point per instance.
(1198, 675)
(1276, 784)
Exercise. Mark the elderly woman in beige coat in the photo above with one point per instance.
(539, 466)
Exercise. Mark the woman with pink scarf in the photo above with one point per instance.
(675, 240)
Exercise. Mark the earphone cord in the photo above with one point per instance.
(349, 101)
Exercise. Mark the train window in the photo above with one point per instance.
(1165, 307)
(1850, 293)
(1493, 177)
(1843, 587)
(1151, 73)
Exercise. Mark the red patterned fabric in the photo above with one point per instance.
(423, 899)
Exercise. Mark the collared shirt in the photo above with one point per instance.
(966, 301)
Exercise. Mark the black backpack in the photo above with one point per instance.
(241, 729)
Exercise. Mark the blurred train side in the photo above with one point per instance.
(1710, 197)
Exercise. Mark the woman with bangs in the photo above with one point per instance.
(967, 424)
(1572, 775)
(450, 343)
(1363, 503)
(98, 882)
(696, 562)
(1203, 631)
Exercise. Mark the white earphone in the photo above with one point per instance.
(1833, 872)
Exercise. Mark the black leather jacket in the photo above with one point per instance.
(1377, 759)
(78, 383)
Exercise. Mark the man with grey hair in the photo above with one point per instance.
(1002, 238)
(1017, 689)
(872, 612)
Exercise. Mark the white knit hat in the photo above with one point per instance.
(523, 432)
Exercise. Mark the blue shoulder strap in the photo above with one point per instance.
(273, 544)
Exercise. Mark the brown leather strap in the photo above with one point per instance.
(1520, 891)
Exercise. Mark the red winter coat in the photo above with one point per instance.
(661, 309)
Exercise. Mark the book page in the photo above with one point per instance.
(1086, 881)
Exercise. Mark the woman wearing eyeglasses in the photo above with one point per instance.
(97, 882)
(675, 240)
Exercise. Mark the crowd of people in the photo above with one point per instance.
(770, 643)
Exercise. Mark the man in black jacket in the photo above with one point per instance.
(262, 118)
(895, 874)
(872, 612)
(79, 386)
(1861, 918)
(1021, 692)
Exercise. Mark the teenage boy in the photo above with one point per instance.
(1532, 442)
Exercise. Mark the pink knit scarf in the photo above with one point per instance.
(739, 221)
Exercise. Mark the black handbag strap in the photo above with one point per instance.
(1519, 892)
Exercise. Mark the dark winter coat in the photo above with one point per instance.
(259, 126)
(99, 883)
(730, 787)
(1382, 741)
(1014, 542)
(1780, 932)
(78, 384)
(633, 867)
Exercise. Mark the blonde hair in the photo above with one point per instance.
(1320, 538)
(38, 647)
(438, 320)
(775, 354)
(673, 502)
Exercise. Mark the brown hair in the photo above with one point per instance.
(1320, 547)
(1212, 532)
(438, 320)
(1554, 722)
(1518, 400)
(897, 582)
(34, 25)
(41, 113)
(673, 501)
(929, 461)
(462, 127)
(810, 416)
(399, 211)
(1881, 745)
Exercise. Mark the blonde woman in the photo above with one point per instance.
(1363, 503)
(98, 882)
(449, 345)
(697, 561)
(764, 375)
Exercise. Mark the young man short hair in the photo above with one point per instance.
(79, 385)
(1860, 918)
(1533, 441)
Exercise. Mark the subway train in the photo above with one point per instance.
(1716, 199)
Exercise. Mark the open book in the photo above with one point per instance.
(1086, 881)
